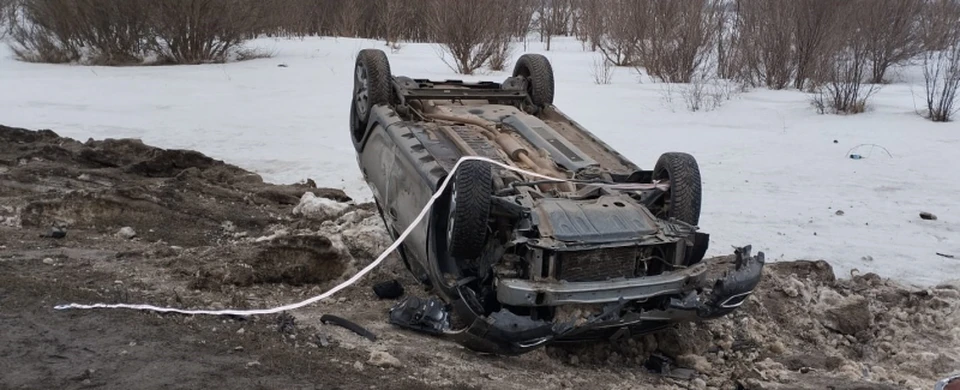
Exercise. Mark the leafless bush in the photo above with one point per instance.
(941, 60)
(938, 20)
(126, 32)
(201, 31)
(501, 55)
(5, 16)
(764, 51)
(841, 86)
(682, 35)
(554, 17)
(704, 92)
(816, 23)
(471, 35)
(781, 44)
(726, 42)
(109, 32)
(846, 92)
(615, 27)
(941, 76)
(602, 70)
(895, 36)
(247, 53)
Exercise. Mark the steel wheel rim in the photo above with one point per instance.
(451, 214)
(362, 90)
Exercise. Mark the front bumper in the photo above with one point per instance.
(521, 292)
(693, 294)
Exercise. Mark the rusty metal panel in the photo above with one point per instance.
(598, 264)
(607, 219)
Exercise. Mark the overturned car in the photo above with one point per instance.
(588, 247)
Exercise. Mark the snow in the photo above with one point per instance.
(773, 176)
(319, 208)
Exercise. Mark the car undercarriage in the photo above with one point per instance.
(543, 233)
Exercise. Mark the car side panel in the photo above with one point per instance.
(376, 162)
(405, 183)
(417, 176)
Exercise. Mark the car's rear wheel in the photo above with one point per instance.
(371, 86)
(538, 72)
(682, 200)
(470, 194)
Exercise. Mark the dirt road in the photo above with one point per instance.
(176, 228)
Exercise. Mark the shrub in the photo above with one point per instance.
(472, 35)
(841, 85)
(602, 71)
(125, 32)
(941, 60)
(895, 37)
(613, 27)
(201, 31)
(682, 36)
(763, 54)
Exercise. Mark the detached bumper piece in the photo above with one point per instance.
(732, 290)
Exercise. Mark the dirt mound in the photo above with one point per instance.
(177, 228)
(806, 329)
(105, 185)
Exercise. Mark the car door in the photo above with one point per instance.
(377, 164)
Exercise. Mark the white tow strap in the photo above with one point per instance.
(354, 278)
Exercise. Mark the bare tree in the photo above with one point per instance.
(941, 60)
(554, 18)
(471, 34)
(616, 27)
(816, 22)
(107, 32)
(602, 70)
(683, 35)
(841, 85)
(390, 17)
(589, 28)
(348, 19)
(894, 34)
(199, 31)
(764, 50)
(941, 76)
(6, 14)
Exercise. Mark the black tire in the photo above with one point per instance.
(683, 199)
(539, 74)
(371, 86)
(470, 194)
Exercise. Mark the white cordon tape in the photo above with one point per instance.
(348, 282)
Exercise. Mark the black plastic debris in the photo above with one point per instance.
(56, 232)
(664, 366)
(928, 216)
(350, 325)
(424, 315)
(286, 323)
(391, 289)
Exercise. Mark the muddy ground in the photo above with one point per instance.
(204, 234)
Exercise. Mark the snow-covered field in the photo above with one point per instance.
(773, 175)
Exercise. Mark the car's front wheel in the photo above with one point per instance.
(471, 190)
(538, 72)
(371, 86)
(682, 200)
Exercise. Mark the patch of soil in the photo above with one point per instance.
(211, 235)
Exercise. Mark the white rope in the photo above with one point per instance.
(341, 286)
